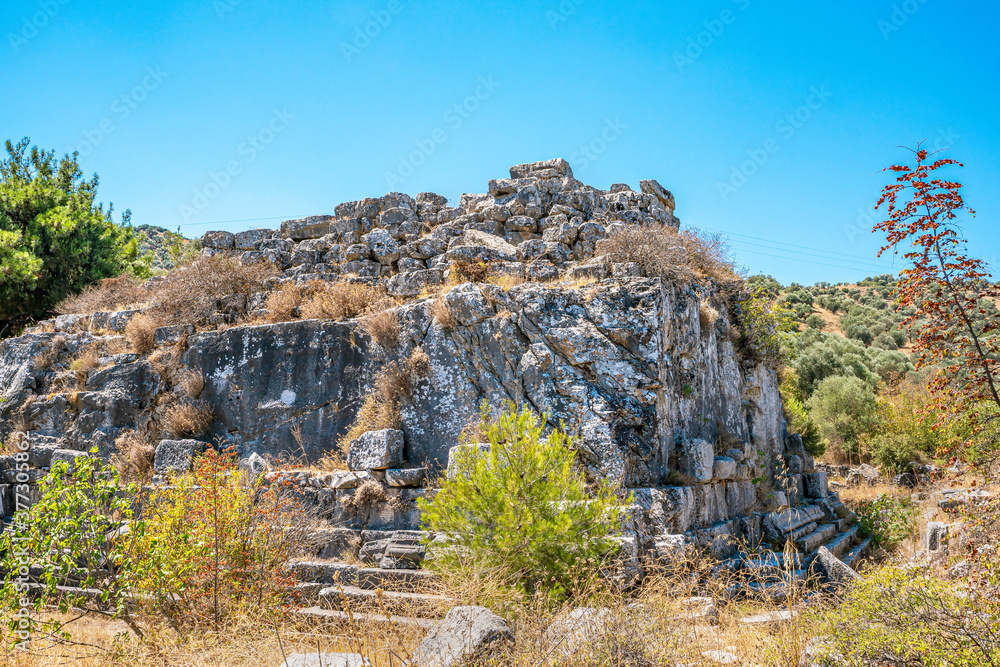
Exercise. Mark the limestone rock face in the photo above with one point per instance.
(658, 402)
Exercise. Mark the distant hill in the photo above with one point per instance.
(159, 241)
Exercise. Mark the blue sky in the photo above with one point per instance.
(770, 122)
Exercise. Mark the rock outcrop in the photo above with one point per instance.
(657, 393)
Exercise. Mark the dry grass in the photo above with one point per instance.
(254, 640)
(195, 292)
(468, 272)
(708, 317)
(442, 314)
(191, 384)
(110, 294)
(380, 408)
(45, 359)
(188, 419)
(662, 251)
(383, 326)
(133, 457)
(86, 361)
(341, 301)
(140, 332)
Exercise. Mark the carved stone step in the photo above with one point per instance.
(422, 605)
(813, 540)
(855, 554)
(318, 613)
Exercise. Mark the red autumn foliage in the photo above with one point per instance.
(947, 288)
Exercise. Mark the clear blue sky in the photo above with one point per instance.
(160, 96)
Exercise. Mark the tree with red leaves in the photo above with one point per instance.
(949, 292)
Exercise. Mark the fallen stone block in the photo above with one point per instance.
(465, 633)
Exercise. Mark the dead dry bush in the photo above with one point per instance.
(663, 251)
(140, 332)
(383, 326)
(284, 303)
(341, 301)
(110, 294)
(191, 383)
(45, 359)
(87, 360)
(133, 457)
(380, 408)
(442, 314)
(468, 272)
(188, 419)
(195, 292)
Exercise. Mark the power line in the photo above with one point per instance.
(861, 263)
(791, 245)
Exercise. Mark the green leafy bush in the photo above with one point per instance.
(886, 519)
(523, 509)
(54, 239)
(904, 616)
(80, 533)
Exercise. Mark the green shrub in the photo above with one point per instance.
(214, 546)
(905, 616)
(523, 509)
(81, 525)
(797, 416)
(886, 519)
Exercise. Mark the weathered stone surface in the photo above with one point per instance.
(834, 570)
(172, 334)
(176, 456)
(816, 485)
(376, 450)
(464, 633)
(936, 536)
(406, 477)
(573, 630)
(313, 227)
(414, 283)
(325, 660)
(723, 468)
(697, 459)
(384, 248)
(863, 474)
(114, 321)
(218, 240)
(251, 239)
(69, 456)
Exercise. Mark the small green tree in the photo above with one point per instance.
(79, 534)
(54, 239)
(523, 508)
(845, 408)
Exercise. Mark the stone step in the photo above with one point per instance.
(407, 581)
(788, 520)
(843, 541)
(812, 541)
(324, 572)
(854, 555)
(335, 616)
(422, 605)
(802, 531)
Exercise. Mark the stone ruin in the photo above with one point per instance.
(659, 398)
